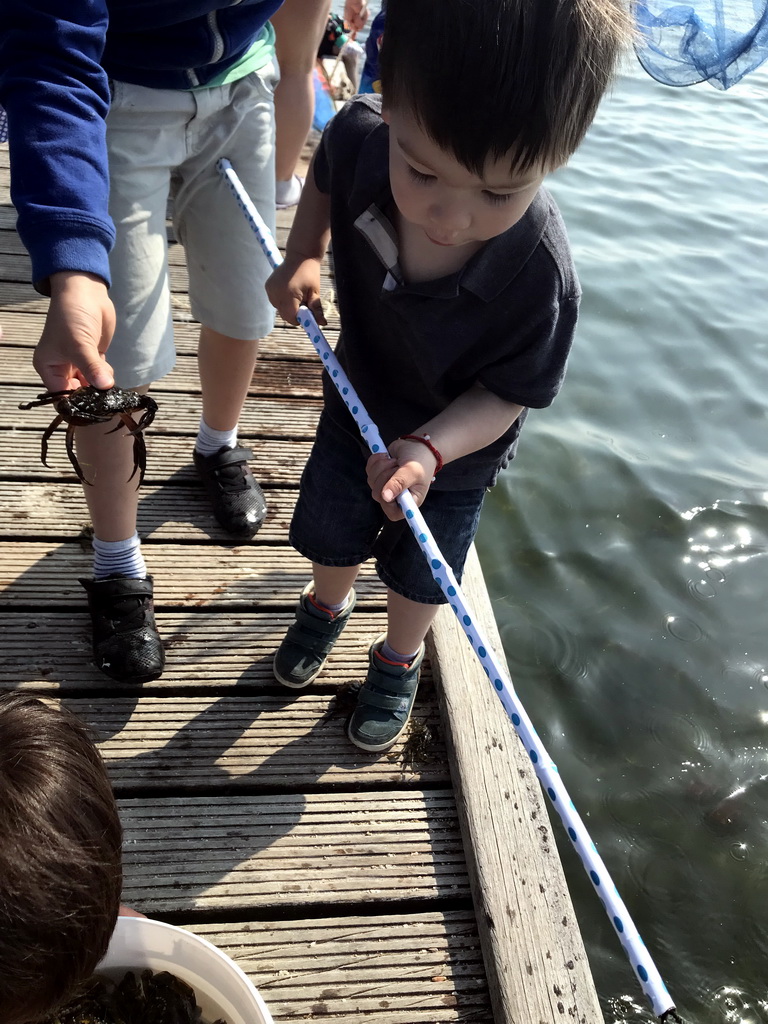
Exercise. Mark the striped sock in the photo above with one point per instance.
(121, 557)
(209, 441)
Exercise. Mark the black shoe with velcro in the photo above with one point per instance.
(126, 644)
(238, 501)
(385, 700)
(309, 641)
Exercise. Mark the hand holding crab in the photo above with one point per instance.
(87, 405)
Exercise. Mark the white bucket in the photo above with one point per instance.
(222, 989)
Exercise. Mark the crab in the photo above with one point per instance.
(89, 1006)
(140, 998)
(86, 405)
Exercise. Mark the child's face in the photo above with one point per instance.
(451, 205)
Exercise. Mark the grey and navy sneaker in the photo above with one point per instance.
(126, 644)
(238, 501)
(385, 700)
(309, 640)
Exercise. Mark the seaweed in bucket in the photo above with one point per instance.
(148, 998)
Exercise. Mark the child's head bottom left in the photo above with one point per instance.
(60, 857)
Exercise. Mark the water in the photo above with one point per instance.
(625, 549)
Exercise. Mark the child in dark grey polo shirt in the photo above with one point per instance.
(458, 303)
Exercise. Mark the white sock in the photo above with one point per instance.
(288, 192)
(334, 609)
(392, 655)
(209, 441)
(122, 557)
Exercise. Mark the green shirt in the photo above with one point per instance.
(260, 53)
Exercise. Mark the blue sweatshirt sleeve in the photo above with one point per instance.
(57, 97)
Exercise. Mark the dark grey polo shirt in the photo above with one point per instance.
(506, 319)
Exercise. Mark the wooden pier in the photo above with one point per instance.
(421, 885)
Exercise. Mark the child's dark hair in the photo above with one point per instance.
(491, 78)
(60, 857)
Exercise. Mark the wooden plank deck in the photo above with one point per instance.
(421, 885)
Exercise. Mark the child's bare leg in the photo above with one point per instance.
(107, 461)
(226, 368)
(407, 622)
(323, 611)
(299, 27)
(333, 583)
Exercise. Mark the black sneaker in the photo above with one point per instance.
(385, 700)
(126, 644)
(238, 501)
(309, 641)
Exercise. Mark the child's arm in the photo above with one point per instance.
(356, 14)
(129, 912)
(471, 422)
(57, 97)
(296, 281)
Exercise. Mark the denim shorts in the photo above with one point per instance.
(166, 142)
(337, 522)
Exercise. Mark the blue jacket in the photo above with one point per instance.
(54, 71)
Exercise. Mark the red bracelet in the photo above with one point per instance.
(424, 439)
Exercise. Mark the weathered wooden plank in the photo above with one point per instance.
(383, 969)
(21, 297)
(16, 269)
(169, 459)
(517, 879)
(397, 813)
(267, 416)
(291, 740)
(193, 576)
(214, 854)
(206, 650)
(23, 329)
(8, 227)
(35, 510)
(11, 244)
(292, 378)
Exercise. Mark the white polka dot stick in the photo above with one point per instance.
(650, 980)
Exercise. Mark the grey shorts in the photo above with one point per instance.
(164, 142)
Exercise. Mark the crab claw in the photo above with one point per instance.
(44, 399)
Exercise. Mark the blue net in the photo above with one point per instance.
(715, 41)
